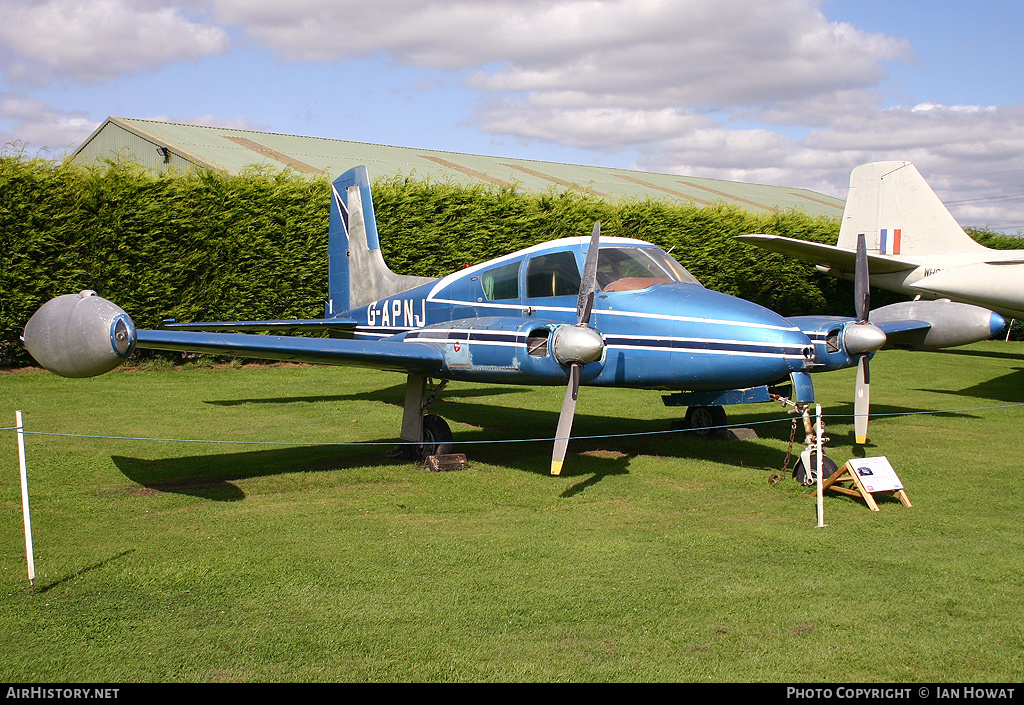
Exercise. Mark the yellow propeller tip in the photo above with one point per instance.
(556, 467)
(861, 440)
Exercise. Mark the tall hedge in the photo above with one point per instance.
(195, 246)
(431, 229)
(208, 246)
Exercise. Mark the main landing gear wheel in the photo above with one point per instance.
(705, 420)
(805, 476)
(436, 438)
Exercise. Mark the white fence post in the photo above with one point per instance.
(24, 500)
(818, 470)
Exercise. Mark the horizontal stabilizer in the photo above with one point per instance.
(284, 326)
(375, 354)
(827, 255)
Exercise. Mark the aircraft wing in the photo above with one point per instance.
(376, 354)
(282, 326)
(905, 326)
(826, 255)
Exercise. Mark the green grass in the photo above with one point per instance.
(653, 558)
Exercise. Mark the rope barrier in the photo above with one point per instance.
(787, 419)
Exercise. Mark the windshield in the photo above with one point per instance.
(630, 268)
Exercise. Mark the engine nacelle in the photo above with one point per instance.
(952, 323)
(80, 335)
(512, 350)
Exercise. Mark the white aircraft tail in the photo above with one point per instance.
(899, 214)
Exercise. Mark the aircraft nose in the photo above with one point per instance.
(996, 323)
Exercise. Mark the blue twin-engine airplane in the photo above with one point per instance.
(599, 311)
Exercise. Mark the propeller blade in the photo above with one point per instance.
(584, 305)
(585, 302)
(861, 281)
(862, 401)
(862, 304)
(565, 418)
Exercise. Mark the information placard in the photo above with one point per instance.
(876, 474)
(869, 476)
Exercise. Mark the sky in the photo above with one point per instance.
(789, 92)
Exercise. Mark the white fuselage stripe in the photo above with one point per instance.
(704, 351)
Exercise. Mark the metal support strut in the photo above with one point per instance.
(430, 432)
(805, 469)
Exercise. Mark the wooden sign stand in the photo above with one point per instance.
(869, 476)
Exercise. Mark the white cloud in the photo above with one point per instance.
(97, 40)
(672, 80)
(35, 122)
(735, 89)
(239, 122)
(609, 129)
(947, 143)
(596, 53)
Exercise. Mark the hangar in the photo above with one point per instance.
(165, 145)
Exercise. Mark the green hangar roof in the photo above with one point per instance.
(164, 145)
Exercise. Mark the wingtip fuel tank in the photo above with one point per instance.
(951, 323)
(80, 335)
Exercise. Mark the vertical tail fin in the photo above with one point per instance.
(358, 274)
(897, 211)
(337, 251)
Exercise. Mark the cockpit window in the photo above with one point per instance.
(631, 268)
(501, 282)
(555, 274)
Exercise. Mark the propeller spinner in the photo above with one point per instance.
(576, 346)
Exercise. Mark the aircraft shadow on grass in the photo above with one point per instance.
(1008, 388)
(520, 441)
(213, 476)
(994, 354)
(880, 411)
(394, 394)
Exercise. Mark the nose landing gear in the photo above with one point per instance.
(806, 467)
